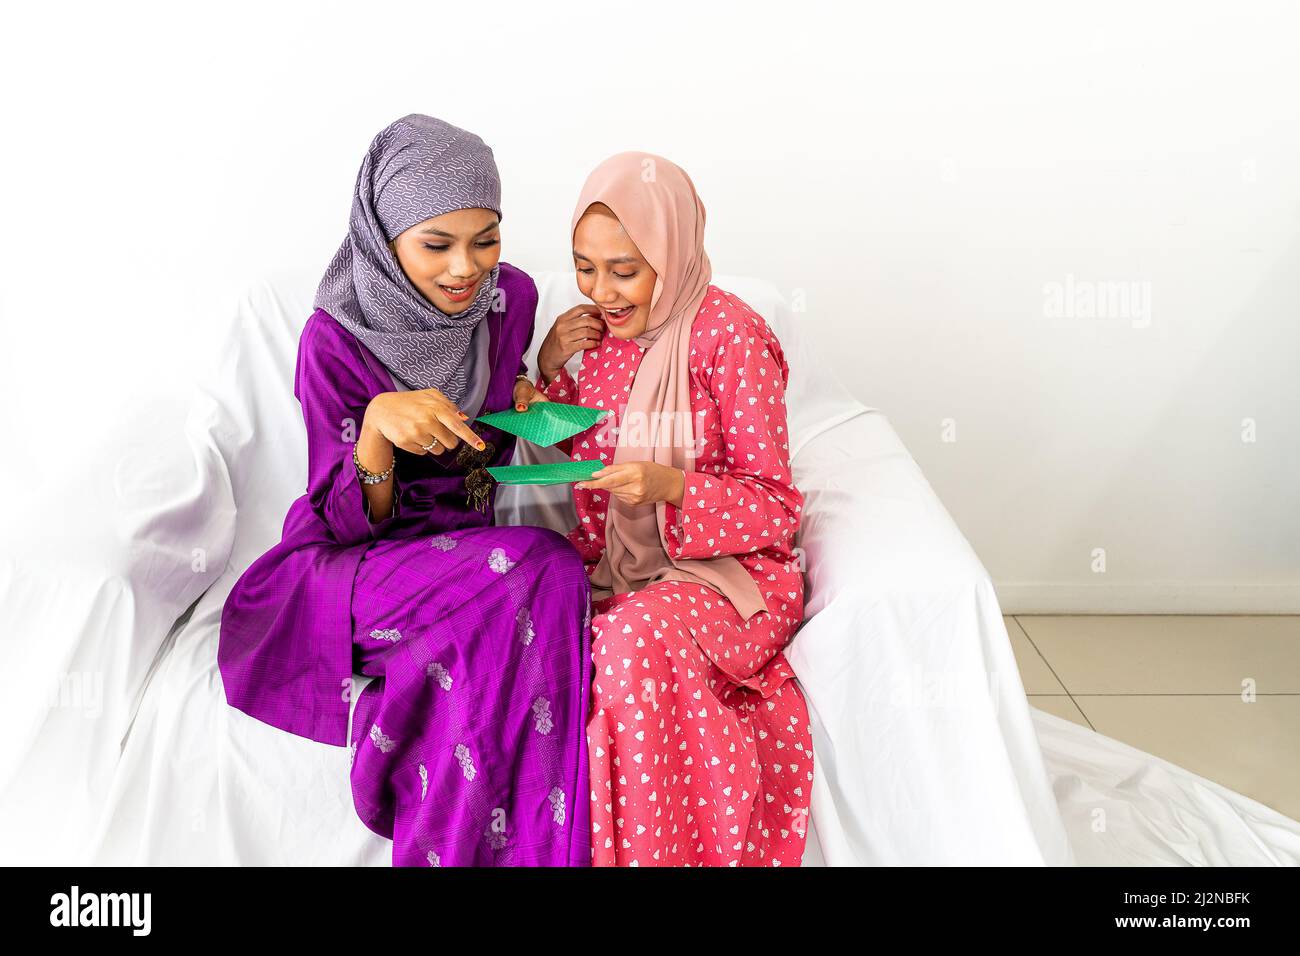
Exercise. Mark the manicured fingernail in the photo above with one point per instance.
(463, 416)
(520, 407)
(481, 446)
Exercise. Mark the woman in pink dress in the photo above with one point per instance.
(700, 750)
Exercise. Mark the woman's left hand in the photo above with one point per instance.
(639, 482)
(526, 394)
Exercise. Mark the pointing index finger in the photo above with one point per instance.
(464, 431)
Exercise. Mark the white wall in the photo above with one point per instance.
(918, 176)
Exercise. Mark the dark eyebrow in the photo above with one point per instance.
(609, 262)
(446, 235)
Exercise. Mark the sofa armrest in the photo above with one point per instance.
(87, 600)
(924, 746)
(872, 522)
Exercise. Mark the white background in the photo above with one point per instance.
(917, 177)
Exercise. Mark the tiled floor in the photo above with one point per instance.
(1178, 687)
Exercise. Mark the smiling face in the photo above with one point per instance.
(448, 256)
(612, 272)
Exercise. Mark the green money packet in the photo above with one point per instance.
(556, 473)
(545, 423)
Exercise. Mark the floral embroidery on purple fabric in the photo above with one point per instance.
(386, 634)
(466, 761)
(424, 782)
(557, 805)
(499, 562)
(524, 627)
(542, 713)
(439, 674)
(434, 859)
(443, 542)
(495, 832)
(381, 740)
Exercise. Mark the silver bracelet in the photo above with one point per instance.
(369, 477)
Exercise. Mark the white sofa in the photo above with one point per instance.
(926, 749)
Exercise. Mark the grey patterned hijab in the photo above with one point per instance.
(416, 168)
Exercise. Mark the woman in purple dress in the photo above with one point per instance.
(468, 746)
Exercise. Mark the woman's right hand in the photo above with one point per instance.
(578, 328)
(411, 420)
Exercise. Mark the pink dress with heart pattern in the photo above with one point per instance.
(699, 745)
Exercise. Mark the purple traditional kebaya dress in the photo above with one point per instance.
(469, 745)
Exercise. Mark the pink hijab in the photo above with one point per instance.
(656, 203)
